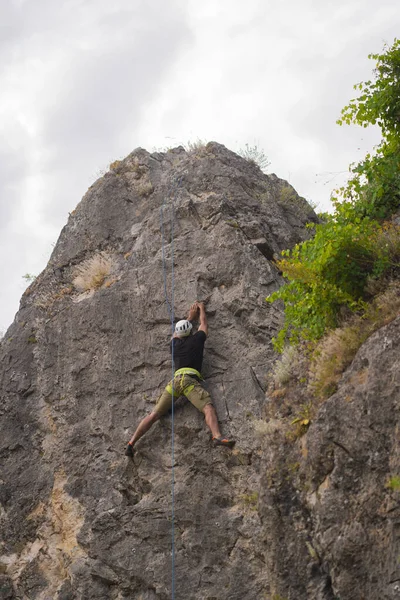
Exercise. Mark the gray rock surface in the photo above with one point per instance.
(330, 501)
(80, 367)
(86, 358)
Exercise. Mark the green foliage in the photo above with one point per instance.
(250, 500)
(379, 102)
(314, 295)
(394, 483)
(301, 422)
(330, 273)
(255, 155)
(311, 550)
(29, 278)
(375, 188)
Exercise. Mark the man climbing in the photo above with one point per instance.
(188, 359)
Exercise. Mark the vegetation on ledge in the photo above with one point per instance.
(355, 251)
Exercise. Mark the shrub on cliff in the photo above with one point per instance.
(375, 188)
(330, 272)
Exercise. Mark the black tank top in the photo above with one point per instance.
(188, 351)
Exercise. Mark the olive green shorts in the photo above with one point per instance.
(184, 385)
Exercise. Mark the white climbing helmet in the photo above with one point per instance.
(183, 328)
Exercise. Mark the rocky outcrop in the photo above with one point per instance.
(87, 357)
(308, 517)
(330, 500)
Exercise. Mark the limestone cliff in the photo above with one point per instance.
(87, 357)
(330, 499)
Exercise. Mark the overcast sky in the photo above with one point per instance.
(84, 82)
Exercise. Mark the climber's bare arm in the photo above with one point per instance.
(203, 318)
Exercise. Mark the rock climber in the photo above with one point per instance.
(188, 358)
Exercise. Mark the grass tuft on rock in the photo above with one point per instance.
(92, 273)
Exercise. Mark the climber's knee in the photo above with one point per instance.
(154, 416)
(208, 408)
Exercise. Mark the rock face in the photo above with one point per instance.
(87, 357)
(330, 502)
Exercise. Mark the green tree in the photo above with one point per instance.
(331, 271)
(375, 188)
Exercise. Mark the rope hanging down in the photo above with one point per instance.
(170, 304)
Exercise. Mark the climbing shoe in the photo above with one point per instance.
(129, 451)
(223, 441)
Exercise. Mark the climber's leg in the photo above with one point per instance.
(211, 420)
(212, 423)
(163, 406)
(201, 399)
(144, 426)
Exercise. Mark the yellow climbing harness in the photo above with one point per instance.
(187, 371)
(180, 387)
